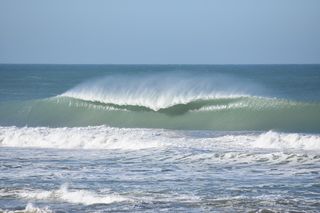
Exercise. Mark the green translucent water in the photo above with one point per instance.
(220, 97)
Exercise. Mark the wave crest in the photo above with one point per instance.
(73, 196)
(157, 91)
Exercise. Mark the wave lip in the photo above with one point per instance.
(155, 91)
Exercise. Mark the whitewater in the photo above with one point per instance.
(149, 138)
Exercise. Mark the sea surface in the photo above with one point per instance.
(151, 138)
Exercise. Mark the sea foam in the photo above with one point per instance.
(276, 140)
(64, 194)
(103, 137)
(30, 208)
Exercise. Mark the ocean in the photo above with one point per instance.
(151, 138)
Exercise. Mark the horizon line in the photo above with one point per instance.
(159, 64)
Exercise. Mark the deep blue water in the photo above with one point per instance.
(21, 82)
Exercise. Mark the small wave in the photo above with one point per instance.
(240, 157)
(30, 208)
(102, 137)
(276, 140)
(72, 196)
(80, 138)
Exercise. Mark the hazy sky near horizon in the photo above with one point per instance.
(160, 32)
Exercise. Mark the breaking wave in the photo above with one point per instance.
(157, 91)
(72, 196)
(30, 208)
(64, 194)
(180, 101)
(226, 114)
(102, 137)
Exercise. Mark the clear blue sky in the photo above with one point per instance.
(160, 32)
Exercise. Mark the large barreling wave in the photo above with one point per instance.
(167, 100)
(158, 91)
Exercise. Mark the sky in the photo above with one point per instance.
(160, 32)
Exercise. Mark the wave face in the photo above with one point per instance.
(158, 91)
(173, 100)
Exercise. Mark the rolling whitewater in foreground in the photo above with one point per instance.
(149, 138)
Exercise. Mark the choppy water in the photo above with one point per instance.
(137, 138)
